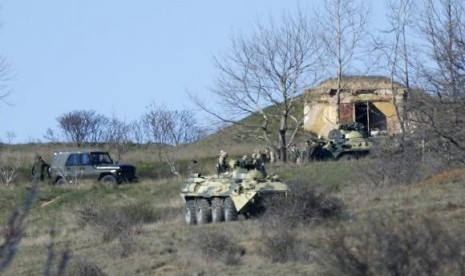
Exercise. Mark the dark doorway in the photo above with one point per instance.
(370, 116)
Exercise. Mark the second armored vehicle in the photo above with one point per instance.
(345, 141)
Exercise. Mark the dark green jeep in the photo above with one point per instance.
(75, 166)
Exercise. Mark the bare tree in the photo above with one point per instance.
(138, 132)
(5, 78)
(10, 136)
(263, 75)
(398, 52)
(439, 113)
(81, 126)
(118, 134)
(342, 33)
(156, 121)
(50, 135)
(170, 129)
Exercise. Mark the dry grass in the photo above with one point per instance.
(151, 238)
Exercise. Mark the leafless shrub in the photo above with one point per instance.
(116, 222)
(8, 173)
(83, 267)
(304, 204)
(281, 245)
(384, 245)
(13, 231)
(61, 266)
(9, 166)
(219, 247)
(389, 164)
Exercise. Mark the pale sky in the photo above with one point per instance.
(114, 56)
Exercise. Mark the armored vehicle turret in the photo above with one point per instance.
(349, 140)
(224, 196)
(345, 141)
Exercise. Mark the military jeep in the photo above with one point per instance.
(75, 166)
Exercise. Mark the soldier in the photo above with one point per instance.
(307, 151)
(192, 168)
(256, 155)
(258, 163)
(293, 154)
(272, 155)
(39, 167)
(222, 164)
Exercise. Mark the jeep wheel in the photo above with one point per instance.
(60, 181)
(108, 180)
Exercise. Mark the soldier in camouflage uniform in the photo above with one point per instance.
(39, 167)
(307, 152)
(293, 154)
(222, 164)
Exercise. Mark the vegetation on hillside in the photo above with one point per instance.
(399, 211)
(333, 222)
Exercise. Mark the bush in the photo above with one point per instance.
(116, 222)
(384, 245)
(305, 203)
(82, 267)
(281, 245)
(218, 246)
(389, 164)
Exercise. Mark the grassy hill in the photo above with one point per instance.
(348, 217)
(139, 229)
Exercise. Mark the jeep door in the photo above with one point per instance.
(79, 167)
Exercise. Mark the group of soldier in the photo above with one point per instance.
(303, 155)
(266, 155)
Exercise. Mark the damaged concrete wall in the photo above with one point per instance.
(365, 99)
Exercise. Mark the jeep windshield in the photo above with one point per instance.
(101, 158)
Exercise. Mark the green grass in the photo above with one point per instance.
(161, 244)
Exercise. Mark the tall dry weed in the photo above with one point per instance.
(218, 246)
(117, 222)
(386, 244)
(304, 204)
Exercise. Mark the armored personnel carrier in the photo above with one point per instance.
(224, 196)
(345, 141)
(349, 140)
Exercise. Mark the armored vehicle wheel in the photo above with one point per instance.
(189, 212)
(202, 211)
(60, 181)
(217, 210)
(230, 212)
(108, 180)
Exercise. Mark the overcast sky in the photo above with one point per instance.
(113, 56)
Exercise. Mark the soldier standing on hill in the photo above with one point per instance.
(293, 154)
(192, 168)
(307, 152)
(222, 164)
(39, 167)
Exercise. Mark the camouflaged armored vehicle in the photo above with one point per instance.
(224, 196)
(348, 141)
